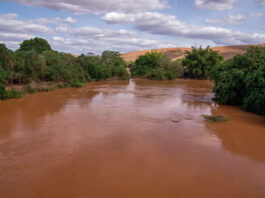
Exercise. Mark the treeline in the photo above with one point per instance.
(36, 61)
(238, 81)
(157, 66)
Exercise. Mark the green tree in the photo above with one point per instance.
(36, 61)
(241, 81)
(112, 58)
(6, 57)
(149, 61)
(199, 62)
(37, 44)
(2, 83)
(156, 66)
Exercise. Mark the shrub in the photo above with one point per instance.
(29, 90)
(110, 64)
(5, 94)
(156, 66)
(156, 74)
(63, 85)
(176, 68)
(218, 118)
(199, 62)
(76, 83)
(151, 60)
(241, 81)
(2, 84)
(13, 94)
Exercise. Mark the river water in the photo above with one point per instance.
(134, 138)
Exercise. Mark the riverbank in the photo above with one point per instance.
(35, 87)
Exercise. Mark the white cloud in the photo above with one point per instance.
(100, 33)
(56, 20)
(98, 6)
(14, 36)
(161, 24)
(234, 19)
(97, 45)
(73, 40)
(10, 44)
(13, 31)
(84, 39)
(70, 20)
(9, 23)
(262, 2)
(45, 21)
(62, 28)
(9, 16)
(215, 4)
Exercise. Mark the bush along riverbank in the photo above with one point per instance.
(241, 81)
(36, 62)
(238, 81)
(156, 66)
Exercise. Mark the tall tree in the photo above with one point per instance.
(6, 57)
(37, 44)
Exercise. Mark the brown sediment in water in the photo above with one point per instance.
(118, 139)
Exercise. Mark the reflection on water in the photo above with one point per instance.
(134, 138)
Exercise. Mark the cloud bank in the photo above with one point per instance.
(234, 19)
(64, 37)
(219, 5)
(98, 6)
(162, 24)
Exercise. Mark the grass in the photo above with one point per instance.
(63, 85)
(14, 94)
(217, 118)
(77, 84)
(29, 90)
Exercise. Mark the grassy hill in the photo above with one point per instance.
(176, 53)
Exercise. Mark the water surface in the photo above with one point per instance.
(134, 138)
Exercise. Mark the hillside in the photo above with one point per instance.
(175, 53)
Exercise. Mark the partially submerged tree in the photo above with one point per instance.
(199, 62)
(241, 81)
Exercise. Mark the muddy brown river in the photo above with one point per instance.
(134, 138)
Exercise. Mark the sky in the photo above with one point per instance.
(82, 26)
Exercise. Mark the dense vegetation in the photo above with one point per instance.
(199, 62)
(241, 81)
(156, 66)
(36, 61)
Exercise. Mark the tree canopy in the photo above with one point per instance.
(156, 66)
(37, 44)
(199, 62)
(36, 61)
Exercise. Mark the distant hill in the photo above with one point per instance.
(176, 53)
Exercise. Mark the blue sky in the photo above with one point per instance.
(81, 26)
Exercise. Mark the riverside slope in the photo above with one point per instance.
(177, 53)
